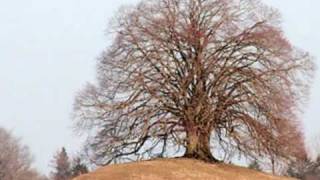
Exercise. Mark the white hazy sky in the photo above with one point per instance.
(48, 50)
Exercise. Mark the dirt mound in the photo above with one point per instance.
(176, 169)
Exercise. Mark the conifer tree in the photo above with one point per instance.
(78, 167)
(62, 166)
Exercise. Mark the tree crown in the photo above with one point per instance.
(184, 74)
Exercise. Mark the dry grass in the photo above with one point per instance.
(176, 169)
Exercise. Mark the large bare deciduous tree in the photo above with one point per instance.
(195, 76)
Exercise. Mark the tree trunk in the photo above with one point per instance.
(198, 145)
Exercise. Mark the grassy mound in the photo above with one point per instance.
(176, 169)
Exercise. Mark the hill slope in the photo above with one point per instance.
(176, 169)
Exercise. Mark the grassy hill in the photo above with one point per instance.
(176, 169)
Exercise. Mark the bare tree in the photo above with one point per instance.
(309, 166)
(182, 75)
(15, 159)
(303, 169)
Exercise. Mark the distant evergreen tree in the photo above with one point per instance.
(78, 167)
(62, 166)
(255, 166)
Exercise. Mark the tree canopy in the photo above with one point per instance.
(193, 77)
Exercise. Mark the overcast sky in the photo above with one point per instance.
(48, 50)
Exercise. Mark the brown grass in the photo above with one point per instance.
(176, 169)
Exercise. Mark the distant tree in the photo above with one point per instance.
(78, 167)
(307, 168)
(254, 165)
(62, 166)
(15, 159)
(304, 169)
(181, 74)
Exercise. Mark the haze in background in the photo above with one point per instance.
(48, 51)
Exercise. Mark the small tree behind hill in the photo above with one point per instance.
(78, 167)
(304, 168)
(62, 166)
(181, 74)
(308, 167)
(254, 165)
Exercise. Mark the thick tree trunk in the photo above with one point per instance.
(198, 146)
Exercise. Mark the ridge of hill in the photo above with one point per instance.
(176, 169)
